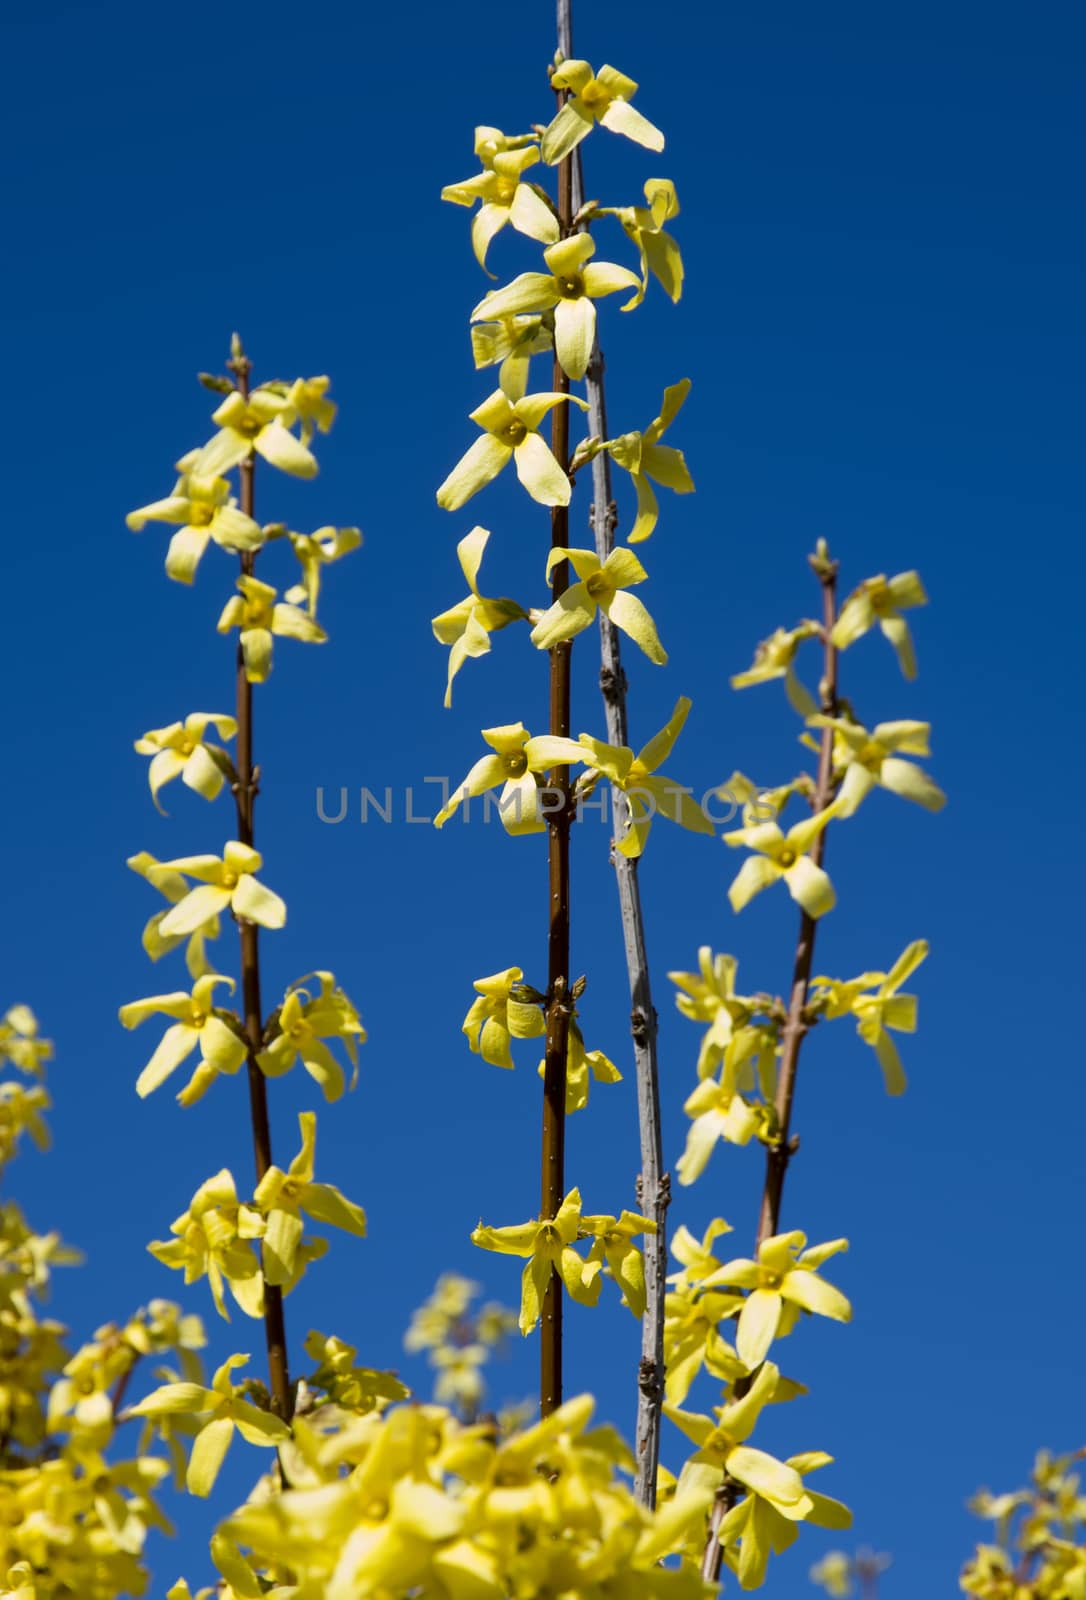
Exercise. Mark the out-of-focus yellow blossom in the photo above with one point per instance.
(355, 1388)
(21, 1111)
(494, 1322)
(283, 1197)
(183, 751)
(1040, 1533)
(876, 1012)
(203, 505)
(459, 1378)
(602, 586)
(499, 1014)
(647, 460)
(548, 1245)
(214, 1239)
(467, 626)
(783, 855)
(733, 1038)
(301, 1025)
(882, 600)
(173, 886)
(834, 1574)
(308, 399)
(775, 658)
(20, 1042)
(717, 1111)
(222, 1408)
(260, 616)
(260, 423)
(646, 789)
(722, 1444)
(602, 97)
(510, 427)
(862, 759)
(181, 1591)
(435, 1322)
(644, 225)
(226, 881)
(314, 552)
(504, 194)
(520, 763)
(513, 341)
(616, 1252)
(196, 1024)
(582, 1066)
(782, 1282)
(756, 1528)
(572, 282)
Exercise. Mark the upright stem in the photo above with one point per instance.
(779, 1154)
(559, 1000)
(654, 1184)
(245, 792)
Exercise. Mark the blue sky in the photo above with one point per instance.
(883, 324)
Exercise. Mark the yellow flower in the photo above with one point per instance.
(202, 503)
(308, 399)
(513, 341)
(519, 763)
(862, 759)
(314, 551)
(19, 1041)
(602, 97)
(549, 1248)
(504, 194)
(759, 1528)
(582, 1067)
(214, 1238)
(196, 1023)
(467, 626)
(782, 1282)
(783, 855)
(510, 433)
(645, 458)
(282, 1197)
(647, 791)
(723, 1444)
(222, 1409)
(732, 1037)
(775, 658)
(261, 423)
(718, 1111)
(301, 1026)
(173, 886)
(181, 750)
(876, 1012)
(834, 1574)
(225, 881)
(882, 600)
(498, 1015)
(644, 225)
(569, 286)
(616, 1252)
(603, 586)
(696, 1255)
(257, 613)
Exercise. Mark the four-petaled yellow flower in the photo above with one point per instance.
(214, 1237)
(260, 423)
(314, 551)
(644, 458)
(882, 600)
(222, 1409)
(308, 399)
(760, 1529)
(615, 1250)
(259, 615)
(644, 225)
(226, 881)
(173, 886)
(718, 1111)
(569, 286)
(602, 97)
(582, 1068)
(303, 1023)
(282, 1197)
(549, 1248)
(222, 1049)
(498, 1015)
(510, 433)
(782, 1282)
(513, 341)
(646, 790)
(775, 658)
(467, 626)
(783, 855)
(202, 503)
(504, 194)
(863, 759)
(520, 763)
(877, 1012)
(181, 750)
(603, 586)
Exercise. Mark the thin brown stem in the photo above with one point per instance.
(780, 1153)
(245, 792)
(560, 816)
(653, 1184)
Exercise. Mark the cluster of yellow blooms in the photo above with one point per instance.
(459, 1340)
(1039, 1537)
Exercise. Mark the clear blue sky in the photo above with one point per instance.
(884, 327)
